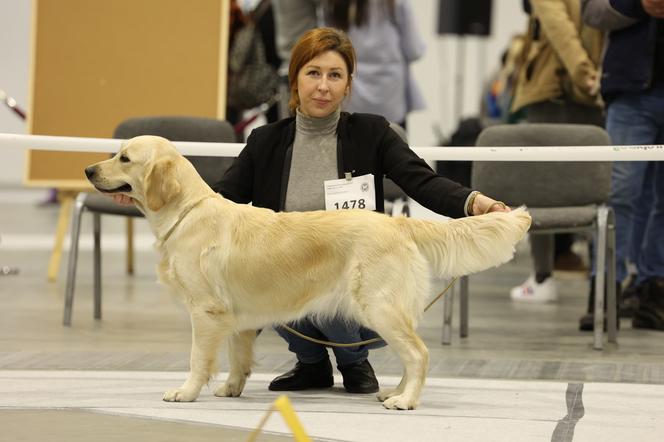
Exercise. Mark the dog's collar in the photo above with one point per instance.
(183, 214)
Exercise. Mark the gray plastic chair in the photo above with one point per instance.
(175, 129)
(560, 196)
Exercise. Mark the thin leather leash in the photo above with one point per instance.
(373, 340)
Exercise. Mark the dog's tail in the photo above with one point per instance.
(468, 245)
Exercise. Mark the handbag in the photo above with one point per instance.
(252, 80)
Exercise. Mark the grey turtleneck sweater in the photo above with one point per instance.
(314, 160)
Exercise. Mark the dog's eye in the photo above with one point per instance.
(124, 159)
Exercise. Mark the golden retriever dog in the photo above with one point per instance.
(239, 268)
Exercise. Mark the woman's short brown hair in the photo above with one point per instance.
(310, 45)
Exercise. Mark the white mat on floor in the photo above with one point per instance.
(450, 409)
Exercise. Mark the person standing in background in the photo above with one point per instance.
(386, 41)
(557, 83)
(292, 18)
(265, 22)
(633, 87)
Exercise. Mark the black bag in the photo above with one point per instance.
(526, 7)
(253, 81)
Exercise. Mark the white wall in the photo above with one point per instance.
(435, 72)
(14, 64)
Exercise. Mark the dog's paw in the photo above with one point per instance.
(399, 402)
(386, 394)
(230, 389)
(180, 395)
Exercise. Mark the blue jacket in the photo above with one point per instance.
(630, 54)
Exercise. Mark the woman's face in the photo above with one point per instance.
(322, 84)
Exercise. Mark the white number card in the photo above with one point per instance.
(350, 193)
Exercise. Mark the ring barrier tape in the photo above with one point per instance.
(653, 152)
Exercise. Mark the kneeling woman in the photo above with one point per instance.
(285, 165)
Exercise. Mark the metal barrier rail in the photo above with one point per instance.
(432, 153)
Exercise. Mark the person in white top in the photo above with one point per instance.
(386, 42)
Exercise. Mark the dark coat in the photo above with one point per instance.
(630, 54)
(366, 144)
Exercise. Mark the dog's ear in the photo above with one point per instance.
(161, 185)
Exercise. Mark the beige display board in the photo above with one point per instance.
(95, 63)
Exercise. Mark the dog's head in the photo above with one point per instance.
(144, 169)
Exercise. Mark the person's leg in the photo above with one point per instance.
(627, 124)
(564, 256)
(306, 351)
(352, 362)
(542, 252)
(539, 287)
(651, 259)
(542, 246)
(344, 332)
(313, 368)
(650, 312)
(640, 215)
(630, 121)
(626, 187)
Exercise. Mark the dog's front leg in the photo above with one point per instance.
(207, 334)
(241, 358)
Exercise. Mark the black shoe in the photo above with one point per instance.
(650, 313)
(304, 377)
(359, 378)
(587, 321)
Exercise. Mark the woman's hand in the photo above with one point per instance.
(122, 200)
(483, 204)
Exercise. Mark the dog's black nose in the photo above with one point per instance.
(90, 171)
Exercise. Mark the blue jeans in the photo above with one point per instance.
(637, 187)
(334, 330)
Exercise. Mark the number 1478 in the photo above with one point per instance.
(350, 204)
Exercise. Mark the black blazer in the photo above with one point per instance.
(366, 144)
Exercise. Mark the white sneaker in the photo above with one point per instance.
(531, 291)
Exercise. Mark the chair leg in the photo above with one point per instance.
(73, 258)
(130, 245)
(448, 303)
(600, 275)
(97, 265)
(463, 307)
(611, 299)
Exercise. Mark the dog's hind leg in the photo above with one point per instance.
(241, 357)
(208, 331)
(398, 330)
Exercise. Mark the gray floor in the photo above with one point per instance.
(511, 347)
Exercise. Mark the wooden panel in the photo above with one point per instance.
(96, 63)
(60, 169)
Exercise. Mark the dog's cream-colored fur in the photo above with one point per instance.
(239, 268)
